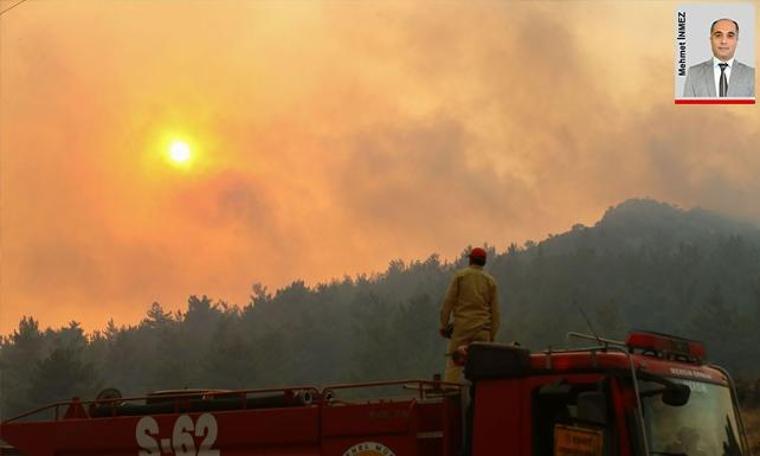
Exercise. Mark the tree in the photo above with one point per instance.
(19, 354)
(157, 317)
(715, 321)
(61, 376)
(609, 321)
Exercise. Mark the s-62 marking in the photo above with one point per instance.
(183, 438)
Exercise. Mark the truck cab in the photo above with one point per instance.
(653, 394)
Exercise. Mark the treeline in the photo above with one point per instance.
(644, 265)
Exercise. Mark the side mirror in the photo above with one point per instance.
(592, 407)
(676, 395)
(673, 394)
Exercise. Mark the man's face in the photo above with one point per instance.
(723, 38)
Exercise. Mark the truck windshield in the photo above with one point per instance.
(705, 426)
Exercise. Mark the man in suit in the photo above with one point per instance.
(721, 76)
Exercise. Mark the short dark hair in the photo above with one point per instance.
(723, 19)
(478, 260)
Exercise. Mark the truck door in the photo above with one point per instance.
(571, 415)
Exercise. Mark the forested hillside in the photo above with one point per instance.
(643, 265)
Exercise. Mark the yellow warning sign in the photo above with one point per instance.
(577, 441)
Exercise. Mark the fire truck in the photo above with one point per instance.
(652, 394)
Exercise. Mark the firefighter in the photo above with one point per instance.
(473, 300)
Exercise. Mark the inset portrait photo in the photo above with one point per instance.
(715, 54)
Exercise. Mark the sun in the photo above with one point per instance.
(179, 152)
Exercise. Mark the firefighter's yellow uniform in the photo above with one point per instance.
(473, 299)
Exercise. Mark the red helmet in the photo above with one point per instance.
(477, 252)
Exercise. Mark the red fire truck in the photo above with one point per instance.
(650, 395)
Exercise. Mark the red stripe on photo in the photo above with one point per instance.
(712, 101)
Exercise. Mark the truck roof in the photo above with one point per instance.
(644, 352)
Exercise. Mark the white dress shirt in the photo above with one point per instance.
(716, 73)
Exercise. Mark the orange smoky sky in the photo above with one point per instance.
(328, 138)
